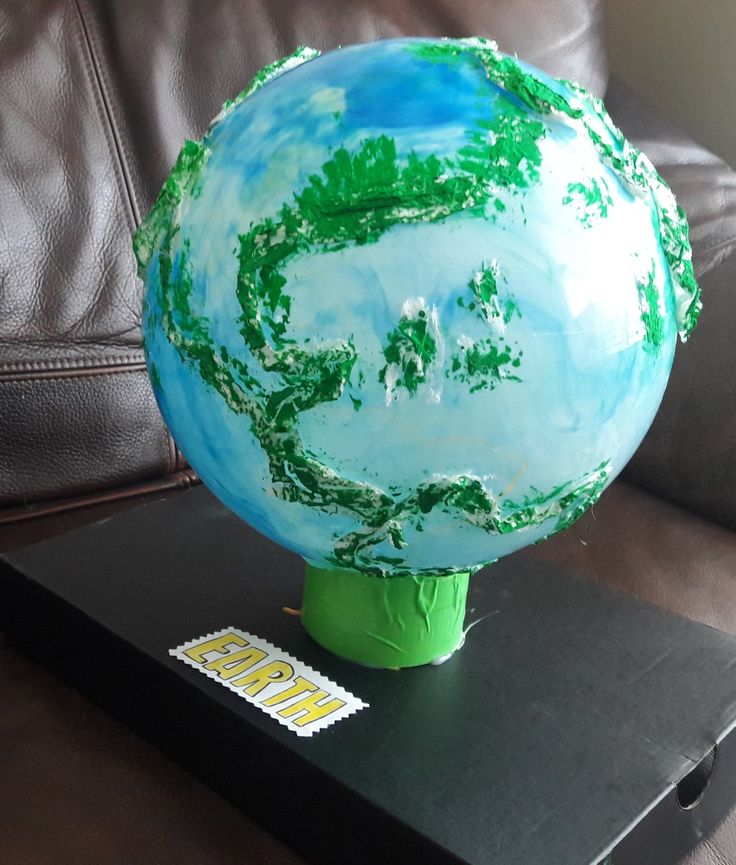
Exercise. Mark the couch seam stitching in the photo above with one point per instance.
(102, 101)
(54, 376)
(70, 364)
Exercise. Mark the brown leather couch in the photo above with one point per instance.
(95, 100)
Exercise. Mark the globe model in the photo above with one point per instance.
(412, 305)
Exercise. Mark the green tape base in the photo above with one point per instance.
(385, 621)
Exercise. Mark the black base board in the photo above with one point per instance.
(558, 734)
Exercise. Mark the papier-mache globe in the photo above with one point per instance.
(411, 305)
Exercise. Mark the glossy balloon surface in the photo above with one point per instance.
(412, 305)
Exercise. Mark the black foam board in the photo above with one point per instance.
(559, 733)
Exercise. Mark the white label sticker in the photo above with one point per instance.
(289, 691)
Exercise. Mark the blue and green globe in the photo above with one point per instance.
(412, 305)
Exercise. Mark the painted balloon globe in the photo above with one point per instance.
(412, 305)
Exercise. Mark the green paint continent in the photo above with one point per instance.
(651, 314)
(591, 199)
(360, 195)
(411, 348)
(485, 363)
(505, 151)
(182, 181)
(567, 502)
(491, 305)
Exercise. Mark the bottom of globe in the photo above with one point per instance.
(387, 622)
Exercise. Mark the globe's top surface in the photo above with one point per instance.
(411, 305)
